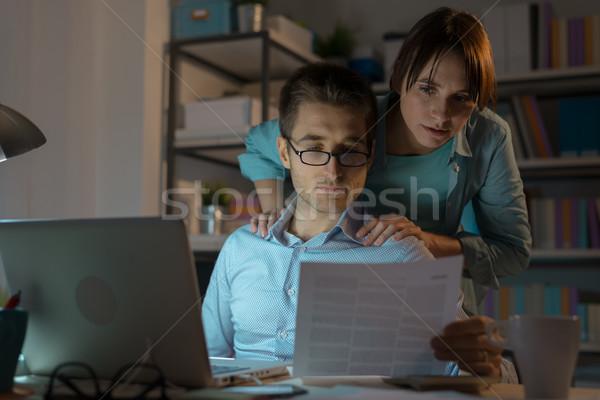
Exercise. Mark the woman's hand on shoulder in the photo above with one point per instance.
(379, 229)
(264, 221)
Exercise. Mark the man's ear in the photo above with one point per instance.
(283, 151)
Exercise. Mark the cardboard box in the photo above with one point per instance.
(293, 34)
(221, 117)
(214, 113)
(193, 18)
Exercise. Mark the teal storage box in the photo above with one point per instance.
(193, 18)
(368, 68)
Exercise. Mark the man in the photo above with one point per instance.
(326, 116)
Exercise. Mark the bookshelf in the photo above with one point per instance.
(561, 256)
(560, 81)
(565, 267)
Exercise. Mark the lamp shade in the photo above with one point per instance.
(18, 134)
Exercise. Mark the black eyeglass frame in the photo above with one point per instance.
(329, 154)
(117, 380)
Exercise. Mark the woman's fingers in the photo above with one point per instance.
(264, 221)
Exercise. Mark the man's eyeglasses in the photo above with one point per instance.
(318, 157)
(76, 380)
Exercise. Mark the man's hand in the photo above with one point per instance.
(465, 343)
(264, 221)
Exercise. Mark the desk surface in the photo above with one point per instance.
(507, 391)
(346, 387)
(495, 391)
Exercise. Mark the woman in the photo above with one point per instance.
(438, 147)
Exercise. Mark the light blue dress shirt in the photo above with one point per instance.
(249, 310)
(251, 301)
(481, 168)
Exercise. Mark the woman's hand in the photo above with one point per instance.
(264, 221)
(381, 228)
(465, 343)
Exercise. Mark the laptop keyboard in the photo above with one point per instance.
(226, 369)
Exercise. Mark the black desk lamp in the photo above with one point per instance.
(18, 134)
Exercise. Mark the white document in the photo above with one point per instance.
(374, 319)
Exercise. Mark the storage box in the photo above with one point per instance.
(221, 117)
(214, 114)
(192, 18)
(367, 61)
(293, 34)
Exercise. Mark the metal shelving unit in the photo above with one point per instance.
(240, 57)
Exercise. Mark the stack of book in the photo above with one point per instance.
(565, 223)
(545, 299)
(551, 127)
(527, 36)
(533, 299)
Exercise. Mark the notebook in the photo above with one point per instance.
(109, 292)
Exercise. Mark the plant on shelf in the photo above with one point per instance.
(339, 44)
(215, 194)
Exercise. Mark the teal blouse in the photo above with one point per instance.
(480, 168)
(419, 192)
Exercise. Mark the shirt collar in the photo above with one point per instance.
(349, 223)
(461, 144)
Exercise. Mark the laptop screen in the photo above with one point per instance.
(108, 292)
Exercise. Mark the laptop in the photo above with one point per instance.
(110, 292)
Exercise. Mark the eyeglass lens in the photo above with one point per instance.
(350, 159)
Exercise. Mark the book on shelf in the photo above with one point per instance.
(549, 127)
(521, 33)
(567, 127)
(592, 313)
(582, 314)
(594, 228)
(565, 223)
(541, 298)
(584, 228)
(579, 126)
(538, 127)
(589, 131)
(545, 15)
(524, 128)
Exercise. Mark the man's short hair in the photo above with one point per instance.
(330, 84)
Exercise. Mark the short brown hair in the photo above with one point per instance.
(439, 32)
(326, 83)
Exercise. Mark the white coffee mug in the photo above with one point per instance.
(545, 349)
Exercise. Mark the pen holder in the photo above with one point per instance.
(13, 324)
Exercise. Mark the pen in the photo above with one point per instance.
(13, 302)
